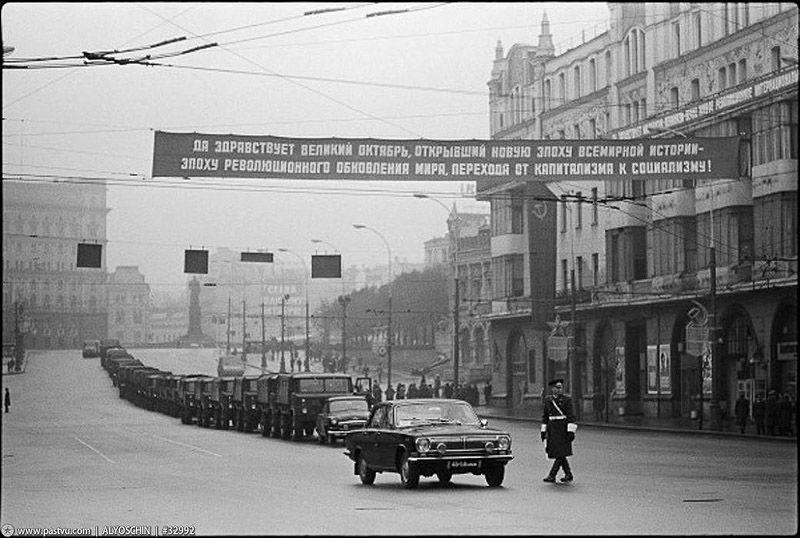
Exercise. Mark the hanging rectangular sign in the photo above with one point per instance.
(244, 156)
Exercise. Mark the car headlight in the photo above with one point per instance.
(504, 443)
(304, 410)
(441, 448)
(334, 422)
(423, 444)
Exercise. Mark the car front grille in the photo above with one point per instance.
(464, 444)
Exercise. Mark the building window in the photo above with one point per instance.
(596, 269)
(608, 67)
(547, 95)
(562, 134)
(695, 84)
(592, 75)
(775, 132)
(577, 81)
(722, 78)
(592, 129)
(742, 70)
(562, 89)
(627, 111)
(698, 31)
(594, 206)
(563, 213)
(579, 273)
(516, 216)
(576, 129)
(676, 39)
(673, 97)
(579, 211)
(776, 58)
(732, 73)
(627, 46)
(564, 275)
(635, 112)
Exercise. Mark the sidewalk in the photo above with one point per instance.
(669, 425)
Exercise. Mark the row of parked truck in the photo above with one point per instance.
(283, 405)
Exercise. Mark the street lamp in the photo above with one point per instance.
(284, 298)
(305, 268)
(456, 300)
(316, 241)
(389, 323)
(344, 300)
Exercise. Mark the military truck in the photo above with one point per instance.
(221, 401)
(186, 393)
(205, 406)
(169, 395)
(245, 410)
(266, 386)
(125, 379)
(107, 344)
(298, 399)
(118, 362)
(114, 353)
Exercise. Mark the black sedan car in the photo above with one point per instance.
(341, 415)
(426, 437)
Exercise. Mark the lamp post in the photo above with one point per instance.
(344, 300)
(284, 298)
(389, 323)
(305, 268)
(456, 300)
(713, 336)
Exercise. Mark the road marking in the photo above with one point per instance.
(93, 449)
(189, 446)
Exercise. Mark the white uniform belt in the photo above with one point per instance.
(557, 417)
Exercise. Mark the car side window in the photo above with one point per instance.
(378, 418)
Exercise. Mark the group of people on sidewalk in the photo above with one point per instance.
(468, 392)
(771, 416)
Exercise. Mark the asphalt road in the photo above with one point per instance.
(74, 455)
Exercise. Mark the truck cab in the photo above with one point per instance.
(187, 393)
(245, 410)
(300, 398)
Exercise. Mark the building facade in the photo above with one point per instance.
(129, 306)
(718, 257)
(43, 222)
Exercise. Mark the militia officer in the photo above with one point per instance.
(558, 430)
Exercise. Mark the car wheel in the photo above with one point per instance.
(409, 475)
(444, 476)
(366, 474)
(494, 475)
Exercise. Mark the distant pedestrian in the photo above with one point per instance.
(558, 430)
(772, 412)
(448, 390)
(487, 393)
(401, 391)
(742, 411)
(784, 418)
(759, 414)
(412, 391)
(7, 400)
(389, 393)
(376, 393)
(599, 405)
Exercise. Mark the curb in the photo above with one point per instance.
(658, 429)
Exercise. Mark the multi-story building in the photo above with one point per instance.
(128, 306)
(664, 252)
(43, 222)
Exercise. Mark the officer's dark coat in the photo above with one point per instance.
(558, 445)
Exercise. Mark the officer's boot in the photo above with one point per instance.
(567, 472)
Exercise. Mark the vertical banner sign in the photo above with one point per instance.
(240, 156)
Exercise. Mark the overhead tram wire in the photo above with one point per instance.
(313, 90)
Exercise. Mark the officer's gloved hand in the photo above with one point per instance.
(570, 436)
(544, 436)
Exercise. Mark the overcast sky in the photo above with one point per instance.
(417, 74)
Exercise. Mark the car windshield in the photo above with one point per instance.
(445, 412)
(348, 405)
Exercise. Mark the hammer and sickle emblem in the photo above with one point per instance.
(539, 210)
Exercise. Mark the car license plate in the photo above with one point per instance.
(464, 464)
